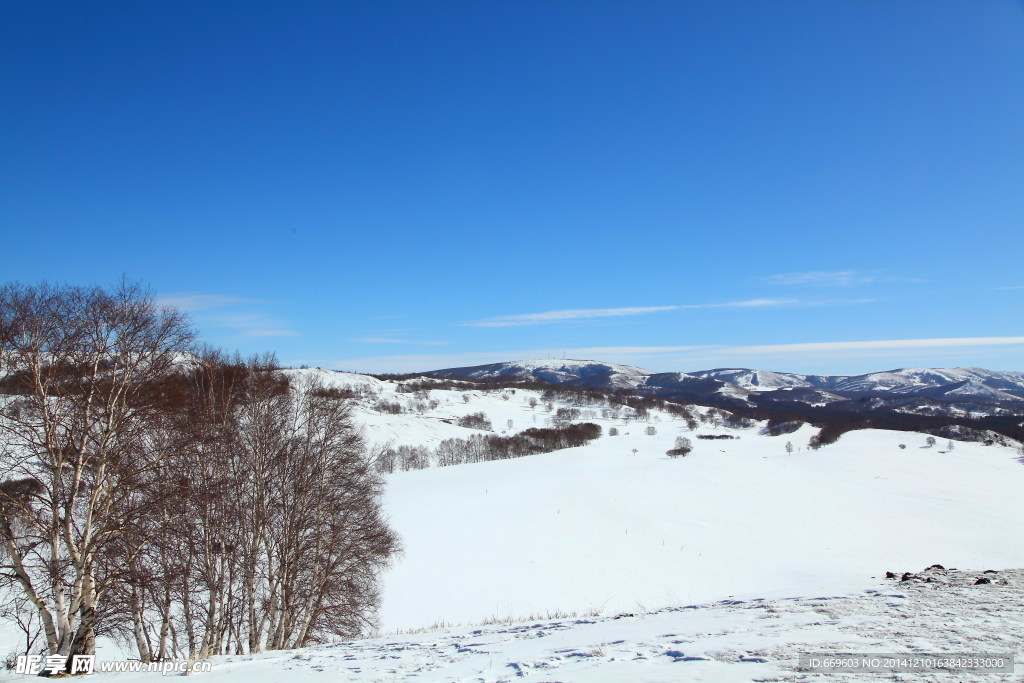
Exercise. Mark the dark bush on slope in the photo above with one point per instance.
(482, 448)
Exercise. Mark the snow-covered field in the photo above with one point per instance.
(618, 526)
(784, 552)
(601, 528)
(937, 611)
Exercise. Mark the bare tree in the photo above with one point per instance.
(185, 502)
(278, 538)
(328, 538)
(681, 447)
(85, 364)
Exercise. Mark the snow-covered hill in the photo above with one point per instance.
(618, 526)
(601, 528)
(757, 380)
(932, 383)
(937, 611)
(573, 372)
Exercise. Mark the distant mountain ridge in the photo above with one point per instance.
(569, 372)
(932, 383)
(969, 388)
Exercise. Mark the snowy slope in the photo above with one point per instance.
(939, 611)
(600, 528)
(757, 380)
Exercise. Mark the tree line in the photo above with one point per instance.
(487, 447)
(184, 501)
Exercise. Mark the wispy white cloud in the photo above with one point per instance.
(563, 315)
(269, 333)
(780, 303)
(221, 311)
(251, 325)
(571, 314)
(889, 344)
(1012, 287)
(392, 340)
(835, 278)
(194, 301)
(749, 303)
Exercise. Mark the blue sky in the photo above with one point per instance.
(829, 187)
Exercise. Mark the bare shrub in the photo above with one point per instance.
(477, 420)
